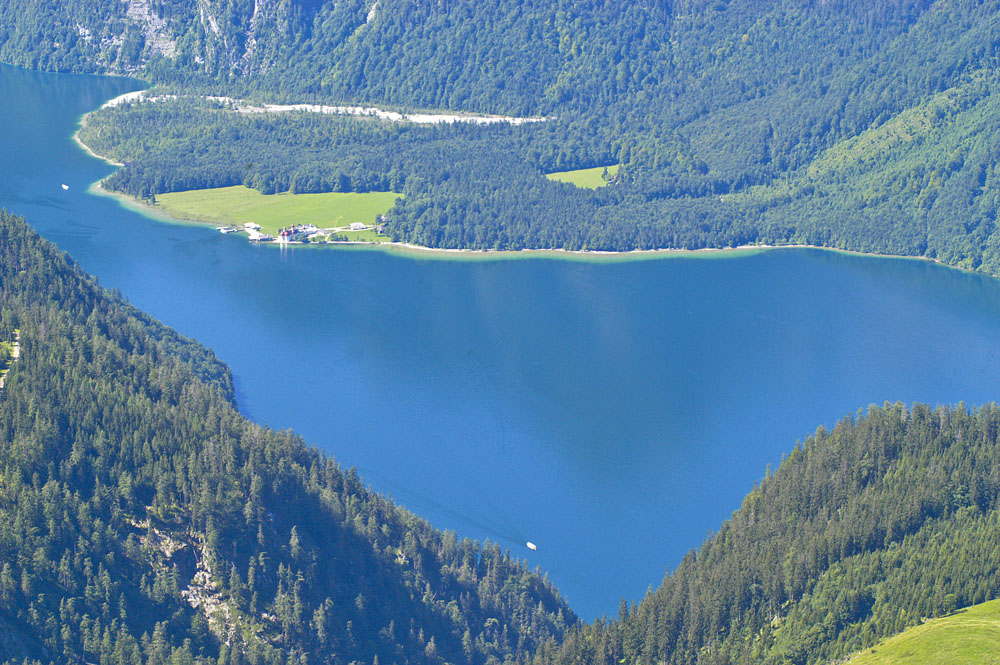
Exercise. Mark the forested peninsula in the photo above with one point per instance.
(861, 126)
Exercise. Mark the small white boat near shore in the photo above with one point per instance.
(531, 546)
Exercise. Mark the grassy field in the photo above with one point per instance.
(586, 178)
(368, 235)
(969, 636)
(237, 205)
(6, 355)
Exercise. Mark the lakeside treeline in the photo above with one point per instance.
(869, 127)
(143, 520)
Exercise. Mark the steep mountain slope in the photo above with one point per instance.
(142, 519)
(892, 516)
(515, 56)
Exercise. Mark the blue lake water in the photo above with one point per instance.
(612, 412)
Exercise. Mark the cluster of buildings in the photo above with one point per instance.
(301, 232)
(298, 232)
(253, 230)
(293, 233)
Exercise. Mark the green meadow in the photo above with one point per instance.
(368, 235)
(586, 178)
(969, 636)
(237, 205)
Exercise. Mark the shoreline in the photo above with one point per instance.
(137, 206)
(610, 256)
(445, 253)
(86, 148)
(410, 250)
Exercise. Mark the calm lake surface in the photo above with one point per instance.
(611, 412)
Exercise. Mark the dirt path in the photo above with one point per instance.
(15, 354)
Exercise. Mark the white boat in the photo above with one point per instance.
(65, 186)
(531, 546)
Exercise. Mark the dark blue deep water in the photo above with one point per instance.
(612, 412)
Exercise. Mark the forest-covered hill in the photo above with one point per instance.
(862, 531)
(143, 520)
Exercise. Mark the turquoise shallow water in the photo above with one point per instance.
(612, 413)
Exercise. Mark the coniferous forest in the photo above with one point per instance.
(143, 520)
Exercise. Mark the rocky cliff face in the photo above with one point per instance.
(229, 37)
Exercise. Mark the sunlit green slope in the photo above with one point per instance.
(970, 636)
